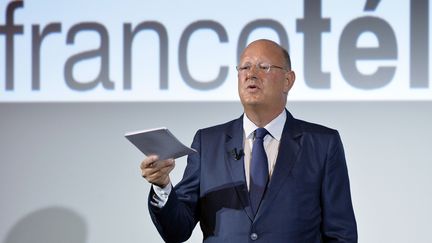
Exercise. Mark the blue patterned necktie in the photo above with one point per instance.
(258, 170)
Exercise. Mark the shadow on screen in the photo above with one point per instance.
(49, 225)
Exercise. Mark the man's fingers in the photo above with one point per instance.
(160, 167)
(148, 162)
(158, 164)
(159, 177)
(154, 169)
(158, 172)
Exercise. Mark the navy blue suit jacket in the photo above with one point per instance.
(307, 199)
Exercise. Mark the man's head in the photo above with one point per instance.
(264, 77)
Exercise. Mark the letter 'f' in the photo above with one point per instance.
(9, 29)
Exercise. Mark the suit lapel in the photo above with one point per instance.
(289, 148)
(234, 142)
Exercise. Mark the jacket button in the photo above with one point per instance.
(254, 236)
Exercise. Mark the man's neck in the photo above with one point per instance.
(262, 117)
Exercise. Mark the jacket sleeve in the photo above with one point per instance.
(176, 220)
(338, 220)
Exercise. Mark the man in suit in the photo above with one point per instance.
(264, 177)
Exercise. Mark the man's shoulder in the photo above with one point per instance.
(219, 128)
(313, 128)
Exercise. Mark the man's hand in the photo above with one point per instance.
(157, 171)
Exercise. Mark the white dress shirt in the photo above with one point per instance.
(271, 146)
(271, 141)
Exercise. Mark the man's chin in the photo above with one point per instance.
(251, 100)
(252, 103)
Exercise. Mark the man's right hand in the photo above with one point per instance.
(157, 171)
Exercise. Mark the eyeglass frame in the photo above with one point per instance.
(261, 67)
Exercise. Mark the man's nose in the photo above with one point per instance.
(253, 71)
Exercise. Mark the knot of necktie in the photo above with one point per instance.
(260, 133)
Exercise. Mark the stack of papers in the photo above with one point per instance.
(160, 142)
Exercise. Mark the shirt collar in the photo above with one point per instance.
(274, 127)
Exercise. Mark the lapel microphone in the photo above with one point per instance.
(237, 155)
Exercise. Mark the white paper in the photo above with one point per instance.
(160, 142)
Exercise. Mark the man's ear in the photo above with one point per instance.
(290, 79)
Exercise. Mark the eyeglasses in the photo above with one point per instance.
(261, 67)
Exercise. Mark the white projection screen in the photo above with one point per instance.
(75, 76)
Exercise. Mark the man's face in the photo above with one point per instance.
(257, 87)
